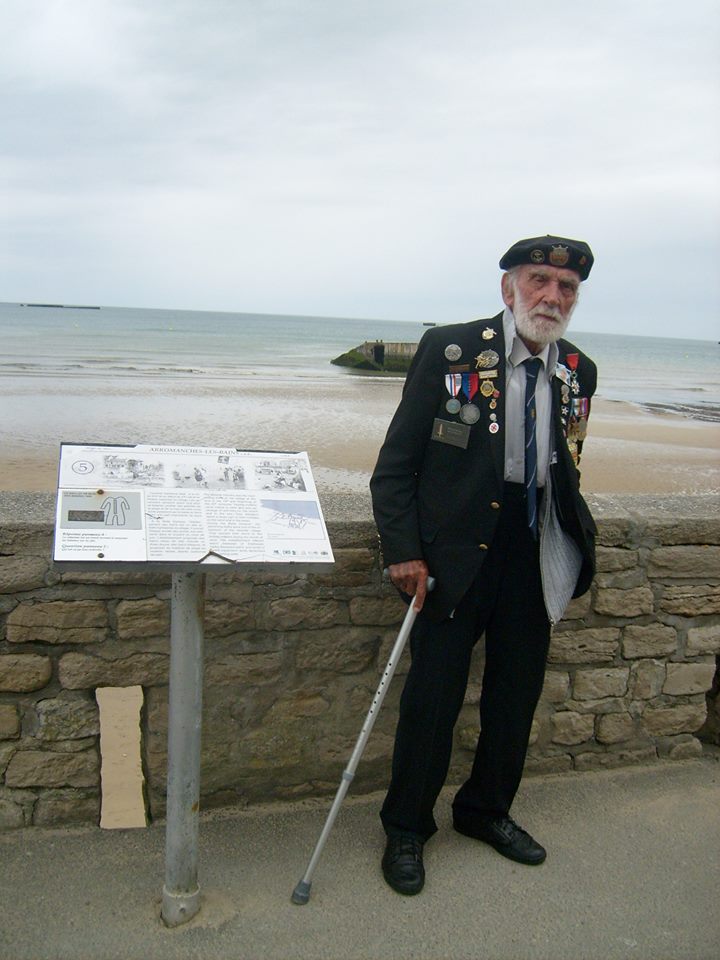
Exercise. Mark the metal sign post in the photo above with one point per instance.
(181, 892)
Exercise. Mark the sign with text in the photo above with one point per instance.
(191, 504)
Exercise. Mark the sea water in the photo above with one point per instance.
(89, 373)
(676, 374)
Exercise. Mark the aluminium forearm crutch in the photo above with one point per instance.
(301, 893)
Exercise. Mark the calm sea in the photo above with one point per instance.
(118, 343)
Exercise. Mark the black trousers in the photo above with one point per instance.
(506, 603)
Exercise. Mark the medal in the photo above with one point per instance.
(453, 405)
(452, 352)
(494, 427)
(493, 404)
(469, 384)
(486, 388)
(486, 358)
(487, 374)
(469, 413)
(580, 406)
(488, 333)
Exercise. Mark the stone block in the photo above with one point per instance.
(339, 651)
(702, 640)
(624, 603)
(605, 705)
(24, 672)
(237, 592)
(66, 806)
(652, 640)
(613, 531)
(140, 619)
(60, 621)
(593, 645)
(245, 669)
(354, 567)
(299, 707)
(578, 608)
(688, 678)
(612, 559)
(377, 611)
(273, 747)
(556, 686)
(691, 599)
(602, 682)
(306, 613)
(696, 562)
(40, 768)
(569, 727)
(11, 815)
(686, 750)
(646, 679)
(18, 573)
(621, 579)
(80, 671)
(664, 721)
(7, 749)
(60, 719)
(9, 721)
(223, 619)
(614, 728)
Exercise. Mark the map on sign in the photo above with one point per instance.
(194, 504)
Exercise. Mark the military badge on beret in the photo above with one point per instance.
(557, 251)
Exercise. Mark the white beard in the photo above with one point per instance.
(536, 328)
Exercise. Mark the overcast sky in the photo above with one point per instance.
(363, 158)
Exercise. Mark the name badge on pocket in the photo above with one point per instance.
(448, 431)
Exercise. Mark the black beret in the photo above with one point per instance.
(557, 251)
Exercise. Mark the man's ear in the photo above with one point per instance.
(508, 292)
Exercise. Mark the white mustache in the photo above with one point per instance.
(542, 312)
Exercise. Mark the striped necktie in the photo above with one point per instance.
(532, 369)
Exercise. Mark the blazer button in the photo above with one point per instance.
(495, 505)
(483, 546)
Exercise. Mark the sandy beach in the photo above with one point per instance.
(342, 424)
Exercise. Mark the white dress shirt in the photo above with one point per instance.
(515, 353)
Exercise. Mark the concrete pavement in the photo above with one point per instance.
(633, 871)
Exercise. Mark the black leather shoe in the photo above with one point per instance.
(505, 836)
(402, 864)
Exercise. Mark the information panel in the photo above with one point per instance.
(192, 504)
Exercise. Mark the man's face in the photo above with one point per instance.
(542, 299)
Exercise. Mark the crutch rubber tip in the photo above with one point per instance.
(301, 893)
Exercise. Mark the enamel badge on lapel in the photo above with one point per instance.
(488, 333)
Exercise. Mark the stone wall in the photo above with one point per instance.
(292, 662)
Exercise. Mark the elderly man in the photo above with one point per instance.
(477, 484)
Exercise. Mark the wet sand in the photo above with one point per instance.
(628, 449)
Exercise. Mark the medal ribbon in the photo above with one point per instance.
(470, 384)
(453, 382)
